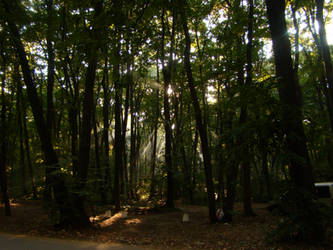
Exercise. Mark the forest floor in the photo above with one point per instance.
(155, 229)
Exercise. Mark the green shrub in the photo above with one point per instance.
(301, 218)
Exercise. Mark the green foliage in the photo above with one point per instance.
(301, 218)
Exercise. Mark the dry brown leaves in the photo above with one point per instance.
(153, 230)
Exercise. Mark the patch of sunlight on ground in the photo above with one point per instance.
(132, 221)
(108, 222)
(12, 204)
(115, 218)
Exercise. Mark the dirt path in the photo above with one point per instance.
(24, 242)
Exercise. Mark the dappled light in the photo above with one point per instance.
(113, 219)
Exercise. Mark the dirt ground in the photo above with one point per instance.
(154, 229)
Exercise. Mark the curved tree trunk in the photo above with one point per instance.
(199, 120)
(51, 158)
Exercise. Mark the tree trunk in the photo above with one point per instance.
(4, 142)
(265, 174)
(73, 99)
(50, 66)
(106, 126)
(124, 129)
(296, 27)
(246, 163)
(86, 123)
(51, 158)
(194, 162)
(50, 83)
(153, 156)
(19, 114)
(290, 98)
(199, 122)
(167, 120)
(117, 141)
(98, 172)
(27, 149)
(25, 136)
(326, 56)
(133, 144)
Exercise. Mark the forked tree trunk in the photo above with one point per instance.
(79, 197)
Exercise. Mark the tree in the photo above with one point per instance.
(87, 114)
(4, 137)
(326, 56)
(51, 158)
(290, 98)
(198, 117)
(167, 71)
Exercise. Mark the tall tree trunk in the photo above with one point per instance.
(265, 174)
(290, 98)
(50, 66)
(19, 114)
(153, 156)
(294, 8)
(322, 86)
(106, 126)
(50, 116)
(25, 136)
(118, 137)
(194, 161)
(98, 172)
(133, 144)
(246, 163)
(4, 140)
(28, 153)
(51, 158)
(50, 83)
(72, 88)
(167, 120)
(124, 129)
(326, 56)
(199, 121)
(87, 113)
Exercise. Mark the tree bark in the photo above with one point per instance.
(199, 121)
(133, 144)
(106, 126)
(290, 98)
(153, 156)
(50, 66)
(117, 144)
(19, 114)
(51, 158)
(246, 163)
(167, 121)
(86, 123)
(4, 142)
(25, 135)
(326, 56)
